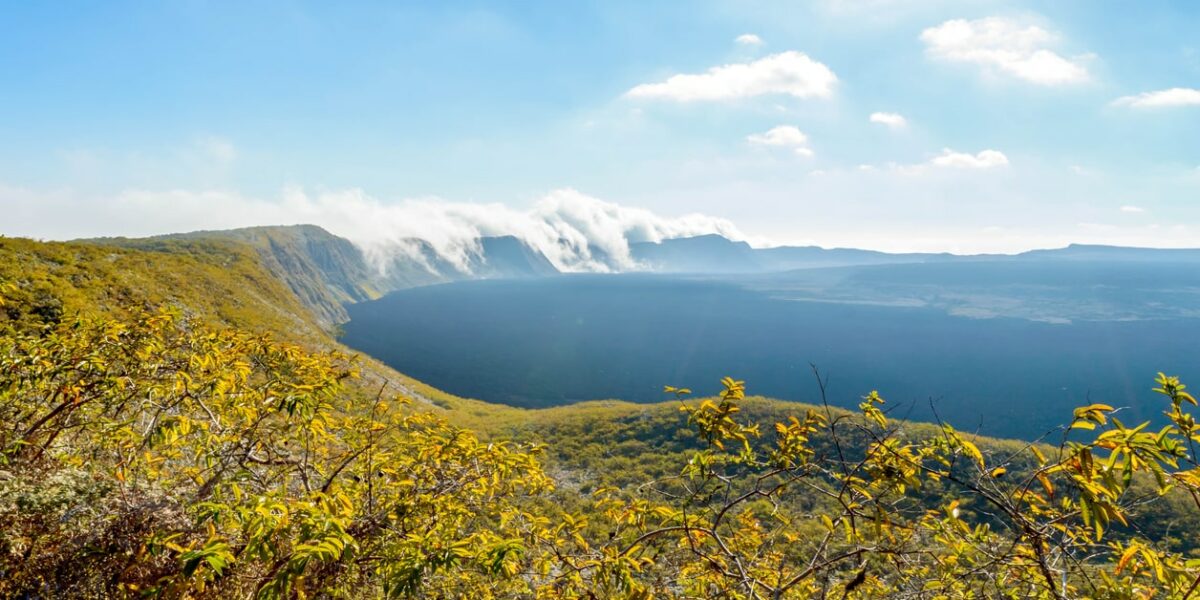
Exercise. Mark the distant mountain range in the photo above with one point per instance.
(716, 254)
(327, 272)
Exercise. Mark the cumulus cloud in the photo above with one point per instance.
(891, 120)
(748, 39)
(575, 231)
(786, 136)
(1004, 46)
(1168, 98)
(788, 73)
(985, 159)
(952, 160)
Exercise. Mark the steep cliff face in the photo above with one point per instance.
(323, 270)
(700, 254)
(508, 257)
(326, 272)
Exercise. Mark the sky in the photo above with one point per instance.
(901, 125)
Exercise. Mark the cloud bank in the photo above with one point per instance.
(575, 231)
(748, 39)
(985, 159)
(785, 136)
(1169, 98)
(1004, 46)
(950, 160)
(891, 120)
(788, 73)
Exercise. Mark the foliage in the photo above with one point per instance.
(162, 457)
(729, 526)
(181, 452)
(221, 283)
(322, 270)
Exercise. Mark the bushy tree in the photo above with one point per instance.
(160, 457)
(1035, 524)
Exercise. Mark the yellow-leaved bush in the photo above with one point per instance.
(154, 456)
(838, 505)
(160, 457)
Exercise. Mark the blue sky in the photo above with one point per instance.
(1001, 125)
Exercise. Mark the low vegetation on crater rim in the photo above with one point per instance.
(178, 424)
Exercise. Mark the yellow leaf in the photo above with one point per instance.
(1045, 481)
(1083, 410)
(973, 451)
(1126, 557)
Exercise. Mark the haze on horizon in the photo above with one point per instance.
(926, 125)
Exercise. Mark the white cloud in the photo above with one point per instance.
(985, 159)
(786, 136)
(575, 231)
(783, 135)
(1132, 209)
(748, 39)
(950, 159)
(1161, 99)
(1005, 46)
(892, 120)
(790, 73)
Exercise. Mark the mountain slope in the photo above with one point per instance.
(323, 270)
(326, 271)
(699, 254)
(508, 257)
(223, 282)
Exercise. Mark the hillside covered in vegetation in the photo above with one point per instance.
(177, 422)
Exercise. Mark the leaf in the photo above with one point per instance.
(1126, 556)
(1045, 481)
(973, 451)
(1083, 411)
(827, 522)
